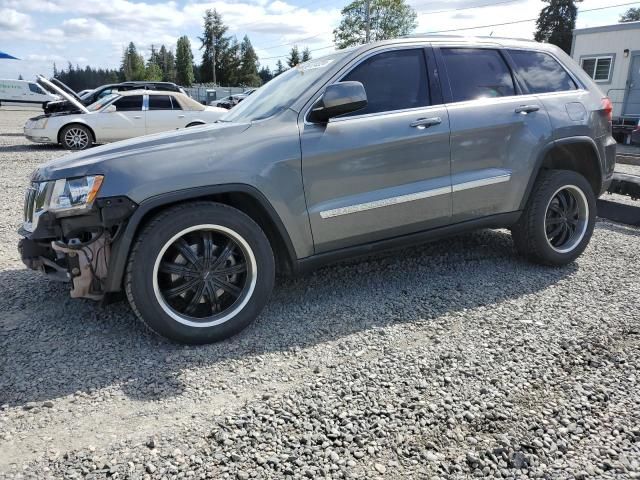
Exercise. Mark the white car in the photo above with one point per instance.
(23, 92)
(118, 116)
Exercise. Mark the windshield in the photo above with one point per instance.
(94, 107)
(280, 93)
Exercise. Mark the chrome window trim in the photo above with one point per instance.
(411, 197)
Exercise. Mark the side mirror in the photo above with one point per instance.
(111, 109)
(338, 99)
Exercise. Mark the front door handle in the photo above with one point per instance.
(137, 116)
(423, 123)
(180, 116)
(527, 109)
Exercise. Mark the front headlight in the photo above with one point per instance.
(39, 123)
(74, 194)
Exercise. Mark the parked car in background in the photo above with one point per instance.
(96, 94)
(232, 100)
(384, 145)
(118, 116)
(81, 93)
(22, 92)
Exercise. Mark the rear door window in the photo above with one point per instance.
(477, 73)
(394, 80)
(541, 72)
(160, 102)
(129, 104)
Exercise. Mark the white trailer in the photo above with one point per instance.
(610, 54)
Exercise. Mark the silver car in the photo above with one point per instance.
(384, 145)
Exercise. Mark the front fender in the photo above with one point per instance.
(121, 248)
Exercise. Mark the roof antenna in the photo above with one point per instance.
(491, 34)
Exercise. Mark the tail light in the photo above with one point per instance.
(607, 107)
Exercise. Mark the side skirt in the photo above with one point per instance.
(502, 220)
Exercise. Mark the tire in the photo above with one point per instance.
(558, 221)
(163, 278)
(76, 137)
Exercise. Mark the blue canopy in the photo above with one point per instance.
(6, 55)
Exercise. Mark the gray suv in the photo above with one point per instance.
(379, 146)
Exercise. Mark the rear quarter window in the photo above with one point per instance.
(540, 72)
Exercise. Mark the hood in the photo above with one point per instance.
(48, 85)
(100, 160)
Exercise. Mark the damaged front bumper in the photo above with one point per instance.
(76, 249)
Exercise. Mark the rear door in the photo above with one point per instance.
(382, 171)
(495, 131)
(164, 113)
(127, 121)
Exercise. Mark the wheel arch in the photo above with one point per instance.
(244, 197)
(578, 154)
(76, 122)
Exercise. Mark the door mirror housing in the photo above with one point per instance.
(338, 99)
(111, 109)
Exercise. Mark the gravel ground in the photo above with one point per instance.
(453, 360)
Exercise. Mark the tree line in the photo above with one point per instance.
(225, 61)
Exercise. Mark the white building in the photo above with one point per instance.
(611, 56)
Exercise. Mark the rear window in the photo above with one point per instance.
(128, 104)
(477, 73)
(541, 72)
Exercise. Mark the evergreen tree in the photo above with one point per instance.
(184, 62)
(306, 55)
(294, 57)
(230, 63)
(153, 73)
(248, 74)
(556, 23)
(388, 19)
(132, 67)
(279, 68)
(215, 45)
(265, 74)
(167, 63)
(20, 77)
(631, 15)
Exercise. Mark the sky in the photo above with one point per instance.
(94, 32)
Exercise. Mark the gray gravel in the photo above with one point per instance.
(453, 360)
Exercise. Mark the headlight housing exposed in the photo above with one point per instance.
(74, 194)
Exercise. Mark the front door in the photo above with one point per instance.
(128, 121)
(382, 171)
(632, 98)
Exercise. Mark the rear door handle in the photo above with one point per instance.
(180, 116)
(423, 123)
(527, 109)
(137, 116)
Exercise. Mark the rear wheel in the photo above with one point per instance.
(200, 272)
(76, 137)
(558, 222)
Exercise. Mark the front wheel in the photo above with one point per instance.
(76, 137)
(200, 272)
(558, 222)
